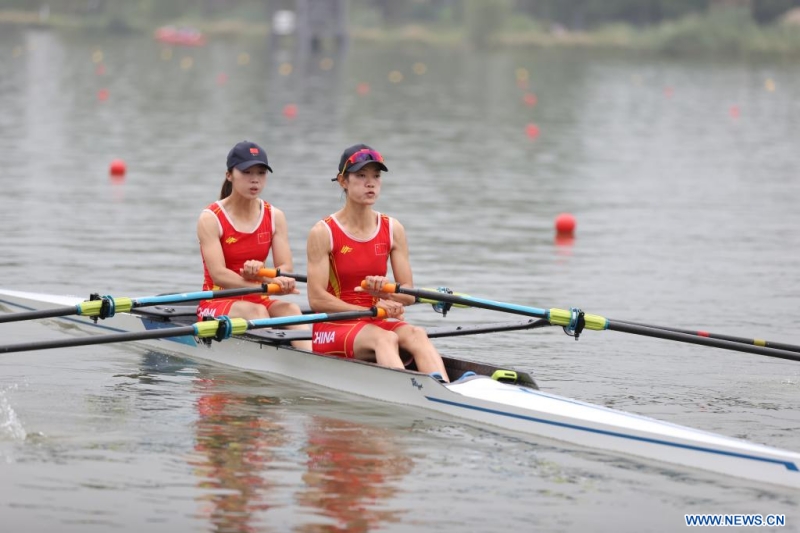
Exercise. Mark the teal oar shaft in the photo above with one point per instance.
(471, 301)
(92, 307)
(199, 329)
(731, 338)
(198, 295)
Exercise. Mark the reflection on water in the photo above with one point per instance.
(247, 453)
(353, 470)
(237, 437)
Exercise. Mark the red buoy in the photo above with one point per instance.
(290, 111)
(565, 224)
(117, 168)
(532, 131)
(529, 99)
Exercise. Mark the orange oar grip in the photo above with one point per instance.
(380, 313)
(387, 287)
(268, 272)
(273, 288)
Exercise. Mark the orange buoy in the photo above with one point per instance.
(363, 88)
(102, 95)
(532, 130)
(222, 78)
(565, 224)
(117, 168)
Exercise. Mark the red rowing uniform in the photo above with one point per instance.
(352, 260)
(238, 247)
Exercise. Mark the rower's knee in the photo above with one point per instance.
(387, 341)
(248, 311)
(417, 336)
(293, 309)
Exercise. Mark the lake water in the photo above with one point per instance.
(683, 178)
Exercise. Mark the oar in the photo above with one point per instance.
(567, 318)
(107, 306)
(731, 338)
(275, 272)
(219, 328)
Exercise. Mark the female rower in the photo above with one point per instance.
(352, 245)
(236, 235)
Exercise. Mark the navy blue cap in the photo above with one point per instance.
(247, 154)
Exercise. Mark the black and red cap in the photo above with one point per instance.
(357, 157)
(247, 154)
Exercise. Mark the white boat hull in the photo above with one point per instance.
(481, 400)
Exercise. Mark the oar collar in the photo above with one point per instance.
(576, 323)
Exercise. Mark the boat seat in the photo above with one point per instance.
(166, 313)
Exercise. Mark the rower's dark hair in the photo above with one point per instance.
(227, 186)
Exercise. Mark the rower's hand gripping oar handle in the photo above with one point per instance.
(392, 288)
(276, 272)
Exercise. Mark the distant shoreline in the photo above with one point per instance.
(694, 34)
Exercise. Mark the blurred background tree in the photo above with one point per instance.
(661, 24)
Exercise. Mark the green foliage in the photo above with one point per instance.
(484, 18)
(588, 14)
(721, 31)
(668, 26)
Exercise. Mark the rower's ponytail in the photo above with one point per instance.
(227, 186)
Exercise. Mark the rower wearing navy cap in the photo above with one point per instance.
(237, 234)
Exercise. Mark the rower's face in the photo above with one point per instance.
(364, 185)
(250, 182)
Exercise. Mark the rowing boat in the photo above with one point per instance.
(495, 397)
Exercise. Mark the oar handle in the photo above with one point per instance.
(276, 272)
(387, 287)
(394, 288)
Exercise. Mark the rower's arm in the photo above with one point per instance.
(281, 251)
(401, 266)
